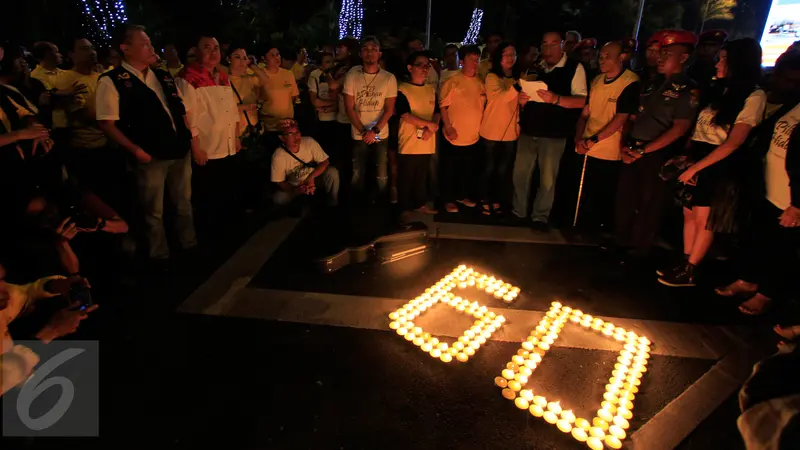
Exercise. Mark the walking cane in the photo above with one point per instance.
(580, 192)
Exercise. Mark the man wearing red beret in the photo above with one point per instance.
(667, 110)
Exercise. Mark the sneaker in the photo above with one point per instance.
(467, 202)
(540, 226)
(451, 208)
(683, 276)
(668, 270)
(429, 211)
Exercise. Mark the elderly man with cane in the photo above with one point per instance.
(613, 97)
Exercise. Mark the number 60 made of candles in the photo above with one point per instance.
(607, 428)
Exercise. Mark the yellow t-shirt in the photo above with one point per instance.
(603, 107)
(172, 71)
(50, 80)
(6, 121)
(483, 68)
(299, 71)
(421, 103)
(249, 88)
(281, 89)
(84, 132)
(501, 118)
(465, 98)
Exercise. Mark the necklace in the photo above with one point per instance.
(374, 76)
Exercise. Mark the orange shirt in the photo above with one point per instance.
(501, 118)
(465, 98)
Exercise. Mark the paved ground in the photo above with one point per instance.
(265, 353)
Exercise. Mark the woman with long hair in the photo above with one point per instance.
(721, 128)
(500, 129)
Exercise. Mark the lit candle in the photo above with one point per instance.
(508, 374)
(555, 407)
(521, 403)
(550, 417)
(608, 406)
(527, 394)
(539, 401)
(625, 403)
(402, 331)
(462, 357)
(579, 434)
(622, 423)
(501, 382)
(605, 415)
(536, 411)
(582, 423)
(607, 332)
(544, 346)
(418, 341)
(469, 351)
(594, 443)
(446, 357)
(624, 413)
(426, 347)
(564, 426)
(597, 432)
(599, 423)
(610, 397)
(515, 385)
(527, 345)
(435, 353)
(519, 360)
(509, 394)
(410, 337)
(613, 442)
(568, 415)
(508, 298)
(521, 378)
(617, 432)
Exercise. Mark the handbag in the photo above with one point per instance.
(252, 134)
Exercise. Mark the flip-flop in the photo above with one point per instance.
(790, 333)
(734, 290)
(486, 209)
(755, 312)
(497, 209)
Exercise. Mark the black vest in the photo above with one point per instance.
(547, 120)
(142, 117)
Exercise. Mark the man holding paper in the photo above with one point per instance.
(546, 126)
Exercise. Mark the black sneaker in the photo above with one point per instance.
(539, 226)
(683, 276)
(669, 270)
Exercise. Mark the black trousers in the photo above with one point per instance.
(326, 137)
(600, 181)
(641, 194)
(498, 161)
(412, 180)
(215, 189)
(458, 167)
(769, 253)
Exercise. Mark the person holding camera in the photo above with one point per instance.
(297, 166)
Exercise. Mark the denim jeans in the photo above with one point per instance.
(151, 179)
(547, 152)
(498, 157)
(363, 156)
(327, 186)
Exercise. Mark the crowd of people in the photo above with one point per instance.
(88, 148)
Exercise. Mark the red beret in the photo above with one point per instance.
(656, 38)
(714, 36)
(630, 45)
(586, 43)
(673, 37)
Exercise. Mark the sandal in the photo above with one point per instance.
(737, 289)
(760, 304)
(789, 333)
(498, 210)
(486, 209)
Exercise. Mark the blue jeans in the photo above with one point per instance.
(376, 154)
(547, 151)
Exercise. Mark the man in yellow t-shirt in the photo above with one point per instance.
(48, 72)
(462, 99)
(419, 121)
(281, 90)
(613, 97)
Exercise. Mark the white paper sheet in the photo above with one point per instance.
(530, 88)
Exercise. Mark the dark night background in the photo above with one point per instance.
(314, 22)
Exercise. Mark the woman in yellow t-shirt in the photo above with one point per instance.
(500, 129)
(248, 81)
(281, 93)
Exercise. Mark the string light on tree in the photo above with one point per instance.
(474, 27)
(101, 18)
(350, 19)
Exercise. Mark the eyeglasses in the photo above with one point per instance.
(422, 65)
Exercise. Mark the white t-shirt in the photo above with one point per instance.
(778, 191)
(286, 168)
(751, 114)
(446, 73)
(370, 92)
(318, 85)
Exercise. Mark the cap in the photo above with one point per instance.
(656, 38)
(674, 37)
(586, 43)
(630, 45)
(713, 37)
